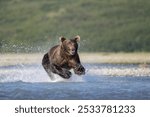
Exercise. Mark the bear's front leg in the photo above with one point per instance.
(66, 73)
(60, 71)
(79, 69)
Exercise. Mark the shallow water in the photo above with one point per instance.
(102, 81)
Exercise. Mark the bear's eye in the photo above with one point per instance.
(69, 43)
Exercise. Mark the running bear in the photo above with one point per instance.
(63, 57)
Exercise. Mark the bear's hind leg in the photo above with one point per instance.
(46, 65)
(64, 73)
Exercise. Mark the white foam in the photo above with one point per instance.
(33, 74)
(37, 73)
(25, 75)
(74, 78)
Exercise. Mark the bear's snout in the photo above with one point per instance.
(73, 51)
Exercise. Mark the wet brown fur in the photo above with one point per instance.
(61, 58)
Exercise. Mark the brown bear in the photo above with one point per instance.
(63, 57)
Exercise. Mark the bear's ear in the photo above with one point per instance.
(62, 39)
(77, 38)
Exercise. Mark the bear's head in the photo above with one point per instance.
(70, 46)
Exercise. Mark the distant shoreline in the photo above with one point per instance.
(142, 58)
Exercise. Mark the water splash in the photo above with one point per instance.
(36, 73)
(74, 78)
(33, 73)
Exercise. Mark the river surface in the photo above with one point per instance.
(101, 82)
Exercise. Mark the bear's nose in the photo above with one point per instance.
(73, 51)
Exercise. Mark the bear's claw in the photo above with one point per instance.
(67, 74)
(80, 70)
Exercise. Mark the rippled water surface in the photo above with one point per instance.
(102, 81)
